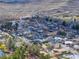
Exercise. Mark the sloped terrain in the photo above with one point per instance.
(47, 7)
(70, 8)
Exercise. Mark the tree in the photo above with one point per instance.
(62, 33)
(76, 26)
(64, 23)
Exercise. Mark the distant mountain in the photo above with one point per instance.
(26, 1)
(18, 1)
(14, 1)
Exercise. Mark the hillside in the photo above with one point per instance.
(47, 7)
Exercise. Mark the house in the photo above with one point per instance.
(68, 42)
(76, 47)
